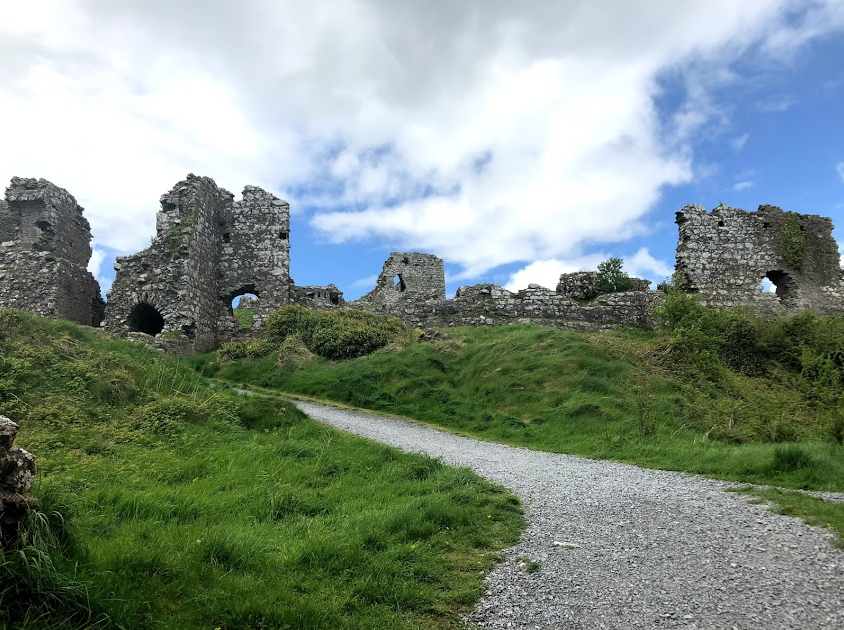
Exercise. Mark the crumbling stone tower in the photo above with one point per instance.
(724, 255)
(45, 246)
(409, 285)
(208, 250)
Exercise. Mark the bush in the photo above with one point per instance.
(337, 334)
(291, 320)
(612, 278)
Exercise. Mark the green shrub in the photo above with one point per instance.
(291, 320)
(612, 278)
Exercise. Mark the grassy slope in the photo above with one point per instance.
(593, 395)
(183, 506)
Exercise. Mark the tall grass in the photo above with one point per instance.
(173, 504)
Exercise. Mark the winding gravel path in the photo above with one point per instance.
(654, 549)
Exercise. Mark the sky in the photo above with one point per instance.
(516, 140)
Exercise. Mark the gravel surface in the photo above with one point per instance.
(625, 547)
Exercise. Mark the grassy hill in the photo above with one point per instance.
(715, 393)
(169, 503)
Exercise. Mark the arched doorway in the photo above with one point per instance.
(146, 318)
(243, 307)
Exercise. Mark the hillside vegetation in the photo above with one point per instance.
(717, 393)
(169, 503)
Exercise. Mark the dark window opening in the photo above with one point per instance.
(778, 282)
(189, 330)
(400, 285)
(283, 236)
(145, 318)
(720, 224)
(227, 237)
(335, 298)
(406, 260)
(766, 225)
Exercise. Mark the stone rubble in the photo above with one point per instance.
(17, 472)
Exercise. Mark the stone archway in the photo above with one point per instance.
(146, 318)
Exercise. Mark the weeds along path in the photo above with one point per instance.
(619, 546)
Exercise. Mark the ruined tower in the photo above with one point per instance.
(409, 285)
(45, 247)
(724, 255)
(208, 250)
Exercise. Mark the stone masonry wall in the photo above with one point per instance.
(421, 301)
(45, 247)
(409, 285)
(255, 253)
(724, 254)
(322, 297)
(208, 250)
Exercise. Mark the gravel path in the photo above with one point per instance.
(642, 548)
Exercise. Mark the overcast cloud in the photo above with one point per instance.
(486, 132)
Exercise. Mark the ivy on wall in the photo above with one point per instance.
(792, 241)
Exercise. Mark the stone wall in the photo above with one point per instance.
(17, 471)
(45, 247)
(319, 298)
(208, 249)
(412, 287)
(724, 254)
(410, 284)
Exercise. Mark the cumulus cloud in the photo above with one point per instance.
(739, 186)
(486, 133)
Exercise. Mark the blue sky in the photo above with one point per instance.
(514, 140)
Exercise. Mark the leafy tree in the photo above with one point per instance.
(612, 278)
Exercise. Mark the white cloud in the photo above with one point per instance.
(739, 186)
(520, 132)
(738, 142)
(365, 283)
(840, 168)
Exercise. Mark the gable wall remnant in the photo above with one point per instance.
(208, 250)
(45, 247)
(723, 256)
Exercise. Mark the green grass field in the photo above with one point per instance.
(595, 395)
(172, 504)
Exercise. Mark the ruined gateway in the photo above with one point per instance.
(209, 249)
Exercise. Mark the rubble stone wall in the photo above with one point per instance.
(45, 247)
(318, 297)
(723, 255)
(576, 304)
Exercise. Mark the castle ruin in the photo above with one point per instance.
(45, 247)
(210, 249)
(724, 255)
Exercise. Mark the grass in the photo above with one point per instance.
(172, 504)
(244, 317)
(600, 395)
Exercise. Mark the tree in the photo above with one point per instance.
(612, 278)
